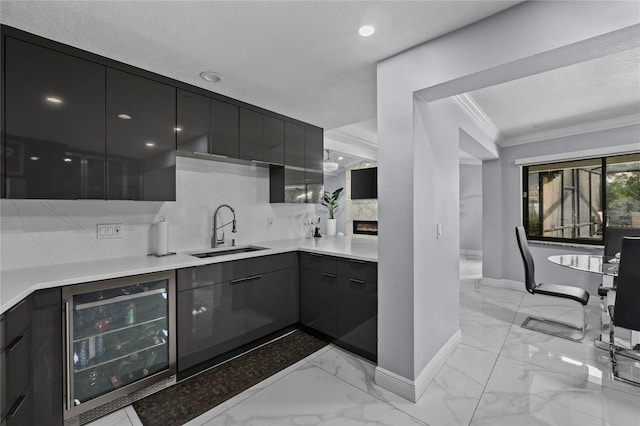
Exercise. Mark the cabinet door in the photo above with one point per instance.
(357, 316)
(293, 145)
(294, 185)
(141, 138)
(194, 122)
(46, 351)
(313, 158)
(272, 302)
(211, 321)
(273, 140)
(250, 135)
(224, 129)
(54, 124)
(318, 301)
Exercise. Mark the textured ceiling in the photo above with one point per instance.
(303, 59)
(605, 88)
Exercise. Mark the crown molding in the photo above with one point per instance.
(612, 123)
(469, 106)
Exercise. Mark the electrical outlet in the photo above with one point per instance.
(108, 230)
(439, 230)
(269, 222)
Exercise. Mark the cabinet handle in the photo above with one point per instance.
(67, 337)
(315, 254)
(16, 406)
(356, 261)
(14, 343)
(329, 275)
(353, 280)
(239, 280)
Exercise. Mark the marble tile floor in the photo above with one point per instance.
(501, 374)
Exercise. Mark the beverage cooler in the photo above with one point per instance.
(120, 343)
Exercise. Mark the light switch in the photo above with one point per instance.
(108, 230)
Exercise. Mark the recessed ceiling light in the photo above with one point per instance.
(366, 31)
(124, 116)
(340, 158)
(367, 164)
(535, 126)
(67, 160)
(210, 76)
(150, 144)
(178, 129)
(53, 100)
(34, 158)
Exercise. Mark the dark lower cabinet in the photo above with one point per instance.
(31, 385)
(47, 382)
(211, 321)
(318, 301)
(224, 306)
(357, 316)
(339, 299)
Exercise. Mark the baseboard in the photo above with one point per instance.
(413, 389)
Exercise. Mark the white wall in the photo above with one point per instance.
(470, 207)
(416, 273)
(40, 232)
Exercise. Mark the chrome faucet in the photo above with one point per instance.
(214, 240)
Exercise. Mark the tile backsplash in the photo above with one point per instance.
(42, 232)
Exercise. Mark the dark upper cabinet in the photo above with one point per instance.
(273, 140)
(313, 148)
(54, 124)
(224, 129)
(141, 138)
(250, 135)
(293, 145)
(194, 122)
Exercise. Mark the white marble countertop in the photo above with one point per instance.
(16, 284)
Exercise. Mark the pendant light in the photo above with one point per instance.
(329, 165)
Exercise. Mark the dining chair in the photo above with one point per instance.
(577, 294)
(612, 244)
(624, 313)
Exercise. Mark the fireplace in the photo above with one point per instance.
(365, 227)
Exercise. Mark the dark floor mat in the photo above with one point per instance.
(196, 395)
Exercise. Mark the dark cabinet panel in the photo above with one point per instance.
(46, 352)
(357, 316)
(211, 321)
(250, 135)
(293, 145)
(272, 302)
(54, 124)
(273, 140)
(224, 129)
(141, 138)
(295, 189)
(194, 122)
(313, 148)
(313, 158)
(318, 301)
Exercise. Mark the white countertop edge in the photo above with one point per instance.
(17, 284)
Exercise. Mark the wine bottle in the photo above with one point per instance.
(114, 380)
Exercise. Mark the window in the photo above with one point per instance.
(564, 201)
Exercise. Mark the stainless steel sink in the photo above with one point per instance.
(226, 251)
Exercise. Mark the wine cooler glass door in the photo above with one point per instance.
(117, 336)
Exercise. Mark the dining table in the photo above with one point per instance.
(607, 266)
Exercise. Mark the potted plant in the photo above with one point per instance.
(330, 201)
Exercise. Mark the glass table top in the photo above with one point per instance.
(597, 264)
